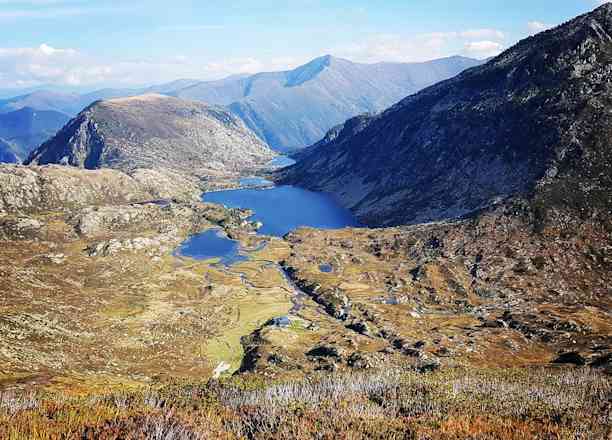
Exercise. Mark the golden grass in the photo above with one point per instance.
(452, 405)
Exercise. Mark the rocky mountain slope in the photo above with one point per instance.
(535, 120)
(295, 108)
(26, 129)
(39, 189)
(154, 131)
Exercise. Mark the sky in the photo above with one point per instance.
(86, 44)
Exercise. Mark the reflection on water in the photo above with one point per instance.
(255, 181)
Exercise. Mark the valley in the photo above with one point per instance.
(101, 302)
(339, 250)
(240, 296)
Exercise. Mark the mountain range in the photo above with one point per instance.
(72, 103)
(287, 110)
(532, 121)
(293, 109)
(154, 131)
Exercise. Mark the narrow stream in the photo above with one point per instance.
(281, 209)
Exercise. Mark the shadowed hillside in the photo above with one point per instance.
(27, 128)
(532, 119)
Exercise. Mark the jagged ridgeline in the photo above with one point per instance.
(154, 131)
(534, 121)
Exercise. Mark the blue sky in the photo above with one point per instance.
(87, 43)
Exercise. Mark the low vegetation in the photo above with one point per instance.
(452, 404)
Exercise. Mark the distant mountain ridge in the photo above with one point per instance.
(293, 109)
(533, 121)
(26, 129)
(72, 103)
(154, 131)
(7, 155)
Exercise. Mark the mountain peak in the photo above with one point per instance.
(308, 71)
(147, 97)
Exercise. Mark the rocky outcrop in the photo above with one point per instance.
(36, 189)
(154, 131)
(490, 287)
(167, 184)
(534, 120)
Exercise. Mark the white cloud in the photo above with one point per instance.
(45, 64)
(35, 65)
(423, 47)
(27, 67)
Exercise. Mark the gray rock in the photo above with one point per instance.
(36, 189)
(154, 131)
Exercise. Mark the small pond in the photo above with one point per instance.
(212, 244)
(326, 268)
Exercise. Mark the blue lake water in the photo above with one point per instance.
(283, 209)
(212, 244)
(326, 268)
